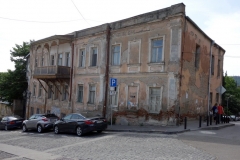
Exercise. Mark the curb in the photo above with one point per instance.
(171, 132)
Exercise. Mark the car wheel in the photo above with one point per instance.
(6, 127)
(56, 129)
(39, 129)
(79, 131)
(99, 131)
(24, 128)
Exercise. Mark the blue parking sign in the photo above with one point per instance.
(113, 82)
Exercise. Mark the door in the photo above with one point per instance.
(74, 122)
(63, 125)
(29, 122)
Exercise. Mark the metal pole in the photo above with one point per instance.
(111, 114)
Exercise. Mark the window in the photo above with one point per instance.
(60, 59)
(219, 64)
(76, 116)
(56, 93)
(67, 117)
(154, 98)
(36, 62)
(210, 98)
(156, 50)
(217, 97)
(42, 61)
(52, 60)
(116, 55)
(38, 110)
(65, 92)
(94, 57)
(197, 56)
(82, 58)
(68, 59)
(48, 111)
(40, 90)
(50, 91)
(212, 66)
(31, 111)
(80, 93)
(113, 98)
(34, 89)
(92, 90)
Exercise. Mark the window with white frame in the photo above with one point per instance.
(92, 90)
(156, 50)
(40, 90)
(94, 56)
(60, 59)
(154, 99)
(82, 56)
(116, 55)
(52, 60)
(68, 59)
(80, 93)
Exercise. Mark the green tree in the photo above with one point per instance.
(232, 94)
(14, 83)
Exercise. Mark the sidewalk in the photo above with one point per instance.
(191, 126)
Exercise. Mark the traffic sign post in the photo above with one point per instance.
(113, 82)
(113, 85)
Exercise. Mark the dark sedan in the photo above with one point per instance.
(77, 123)
(11, 122)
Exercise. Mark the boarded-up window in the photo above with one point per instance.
(134, 52)
(132, 97)
(212, 66)
(197, 56)
(113, 98)
(156, 50)
(154, 99)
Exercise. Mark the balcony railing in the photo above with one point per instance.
(52, 72)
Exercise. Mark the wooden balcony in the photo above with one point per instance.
(52, 72)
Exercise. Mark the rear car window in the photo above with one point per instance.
(12, 118)
(51, 115)
(5, 119)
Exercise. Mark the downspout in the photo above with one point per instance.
(107, 70)
(210, 73)
(71, 74)
(181, 67)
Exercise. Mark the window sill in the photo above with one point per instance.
(153, 64)
(136, 64)
(81, 67)
(115, 66)
(92, 67)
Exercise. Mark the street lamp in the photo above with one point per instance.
(27, 95)
(227, 103)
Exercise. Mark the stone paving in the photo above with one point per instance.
(105, 146)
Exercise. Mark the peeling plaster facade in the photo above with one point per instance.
(153, 57)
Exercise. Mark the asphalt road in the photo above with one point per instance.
(15, 145)
(223, 144)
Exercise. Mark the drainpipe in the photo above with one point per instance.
(107, 70)
(210, 73)
(71, 75)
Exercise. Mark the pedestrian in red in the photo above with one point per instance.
(220, 112)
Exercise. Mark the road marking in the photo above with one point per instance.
(207, 132)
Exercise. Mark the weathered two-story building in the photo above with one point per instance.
(165, 65)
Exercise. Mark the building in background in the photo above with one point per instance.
(161, 61)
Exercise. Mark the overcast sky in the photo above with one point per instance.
(24, 20)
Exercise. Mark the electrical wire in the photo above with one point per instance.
(12, 19)
(80, 12)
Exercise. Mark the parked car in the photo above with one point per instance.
(11, 122)
(39, 122)
(232, 118)
(77, 123)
